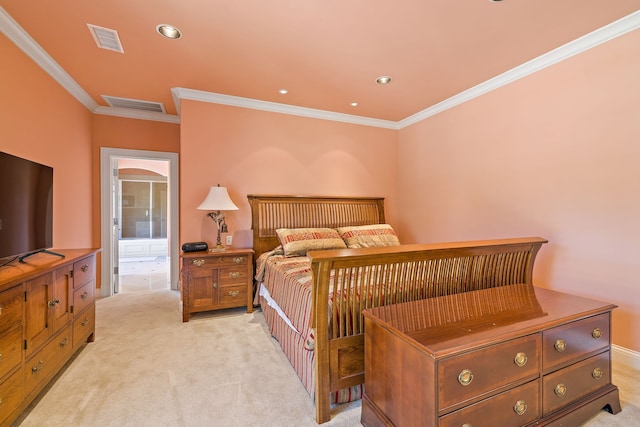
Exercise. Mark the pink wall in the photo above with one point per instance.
(41, 121)
(258, 152)
(553, 155)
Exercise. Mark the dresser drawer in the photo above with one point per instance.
(470, 375)
(84, 324)
(571, 383)
(566, 343)
(84, 297)
(516, 407)
(10, 349)
(11, 395)
(236, 295)
(11, 302)
(40, 368)
(84, 271)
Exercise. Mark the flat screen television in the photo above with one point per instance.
(26, 207)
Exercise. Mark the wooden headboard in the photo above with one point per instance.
(268, 213)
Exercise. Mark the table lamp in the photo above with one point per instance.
(218, 200)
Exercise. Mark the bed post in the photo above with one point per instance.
(320, 274)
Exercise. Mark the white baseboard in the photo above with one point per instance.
(625, 356)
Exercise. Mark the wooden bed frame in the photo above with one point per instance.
(401, 273)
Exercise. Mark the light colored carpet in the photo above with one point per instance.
(147, 368)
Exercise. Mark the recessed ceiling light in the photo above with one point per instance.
(283, 91)
(169, 31)
(354, 104)
(383, 80)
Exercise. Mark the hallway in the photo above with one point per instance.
(144, 274)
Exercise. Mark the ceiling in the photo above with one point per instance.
(327, 54)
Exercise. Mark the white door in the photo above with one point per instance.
(115, 230)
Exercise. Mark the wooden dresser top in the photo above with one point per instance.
(449, 324)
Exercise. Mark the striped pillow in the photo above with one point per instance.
(369, 236)
(298, 241)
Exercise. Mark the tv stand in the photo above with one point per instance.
(46, 251)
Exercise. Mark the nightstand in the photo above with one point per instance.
(216, 280)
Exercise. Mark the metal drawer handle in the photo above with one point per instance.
(234, 274)
(560, 345)
(53, 302)
(520, 359)
(520, 407)
(465, 377)
(560, 390)
(85, 321)
(64, 342)
(84, 268)
(0, 309)
(0, 357)
(597, 373)
(215, 285)
(198, 262)
(234, 293)
(466, 425)
(85, 295)
(238, 259)
(596, 333)
(37, 368)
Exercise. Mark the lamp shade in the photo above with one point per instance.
(218, 200)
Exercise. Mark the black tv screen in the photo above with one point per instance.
(26, 206)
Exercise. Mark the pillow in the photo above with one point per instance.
(298, 241)
(369, 236)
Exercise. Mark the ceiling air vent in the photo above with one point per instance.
(106, 38)
(134, 104)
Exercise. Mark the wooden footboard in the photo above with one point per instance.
(356, 279)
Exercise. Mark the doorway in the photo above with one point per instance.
(139, 220)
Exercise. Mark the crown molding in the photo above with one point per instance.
(622, 26)
(18, 36)
(236, 101)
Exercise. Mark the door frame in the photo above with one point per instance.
(107, 162)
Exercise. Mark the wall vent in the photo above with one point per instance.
(106, 38)
(134, 104)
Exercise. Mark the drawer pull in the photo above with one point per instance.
(53, 302)
(465, 377)
(85, 321)
(84, 268)
(520, 359)
(0, 309)
(234, 274)
(596, 333)
(520, 407)
(64, 342)
(597, 373)
(466, 425)
(85, 295)
(234, 293)
(215, 285)
(560, 390)
(198, 262)
(0, 357)
(560, 345)
(37, 368)
(238, 259)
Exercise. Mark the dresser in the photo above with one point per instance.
(216, 280)
(510, 356)
(47, 313)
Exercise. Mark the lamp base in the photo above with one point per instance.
(219, 248)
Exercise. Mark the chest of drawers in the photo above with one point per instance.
(510, 356)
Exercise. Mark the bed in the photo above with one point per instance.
(312, 302)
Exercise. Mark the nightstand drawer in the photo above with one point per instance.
(469, 375)
(517, 407)
(229, 276)
(210, 261)
(236, 295)
(565, 343)
(573, 382)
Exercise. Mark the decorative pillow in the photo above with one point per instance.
(369, 236)
(298, 241)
